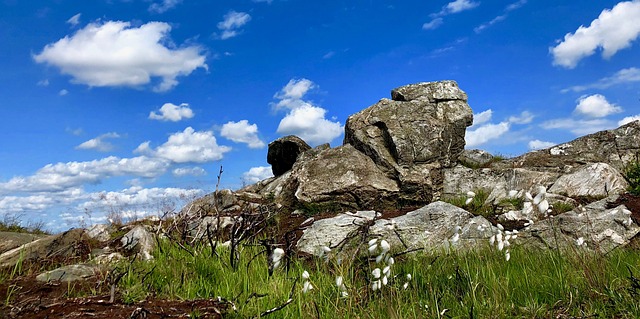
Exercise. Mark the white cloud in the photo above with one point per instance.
(242, 132)
(303, 118)
(73, 21)
(612, 31)
(482, 117)
(629, 75)
(99, 144)
(187, 146)
(329, 55)
(629, 119)
(460, 5)
(164, 6)
(579, 127)
(256, 174)
(524, 118)
(63, 92)
(485, 133)
(114, 53)
(193, 171)
(265, 1)
(308, 123)
(296, 89)
(511, 7)
(596, 106)
(538, 144)
(433, 24)
(516, 5)
(61, 176)
(231, 24)
(172, 112)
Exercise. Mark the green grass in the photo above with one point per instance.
(477, 206)
(632, 175)
(533, 284)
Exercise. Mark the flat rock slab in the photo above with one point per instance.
(68, 273)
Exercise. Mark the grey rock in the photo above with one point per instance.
(284, 152)
(340, 175)
(602, 229)
(11, 240)
(67, 245)
(99, 232)
(69, 273)
(330, 232)
(596, 180)
(431, 91)
(139, 240)
(475, 158)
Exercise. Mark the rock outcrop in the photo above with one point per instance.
(415, 135)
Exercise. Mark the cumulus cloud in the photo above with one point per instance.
(172, 112)
(73, 21)
(63, 92)
(242, 132)
(164, 6)
(629, 75)
(482, 117)
(485, 133)
(187, 146)
(304, 119)
(596, 106)
(612, 31)
(192, 171)
(538, 144)
(99, 143)
(579, 126)
(114, 53)
(256, 174)
(629, 119)
(231, 24)
(62, 176)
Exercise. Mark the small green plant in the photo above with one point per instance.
(632, 175)
(313, 209)
(562, 207)
(473, 202)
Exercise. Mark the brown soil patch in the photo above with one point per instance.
(32, 299)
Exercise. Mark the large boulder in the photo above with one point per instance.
(596, 226)
(71, 245)
(284, 152)
(425, 123)
(341, 176)
(594, 180)
(414, 135)
(438, 225)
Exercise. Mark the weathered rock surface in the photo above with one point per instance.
(425, 123)
(430, 227)
(602, 229)
(475, 158)
(68, 273)
(139, 240)
(616, 147)
(284, 152)
(11, 240)
(70, 245)
(99, 232)
(596, 180)
(340, 175)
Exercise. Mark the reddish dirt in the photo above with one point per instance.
(36, 300)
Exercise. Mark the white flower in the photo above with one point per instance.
(507, 255)
(384, 245)
(513, 193)
(405, 286)
(276, 257)
(580, 241)
(528, 196)
(376, 273)
(375, 285)
(326, 249)
(379, 258)
(344, 294)
(386, 271)
(373, 248)
(500, 227)
(391, 261)
(469, 200)
(492, 239)
(408, 276)
(500, 245)
(455, 238)
(373, 242)
(305, 274)
(385, 280)
(543, 206)
(306, 287)
(339, 282)
(471, 194)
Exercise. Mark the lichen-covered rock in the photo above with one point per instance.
(330, 232)
(425, 123)
(617, 147)
(284, 152)
(340, 175)
(68, 273)
(475, 158)
(600, 228)
(595, 180)
(70, 245)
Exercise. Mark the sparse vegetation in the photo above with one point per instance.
(632, 175)
(12, 223)
(474, 204)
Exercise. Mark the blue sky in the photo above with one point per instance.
(133, 105)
